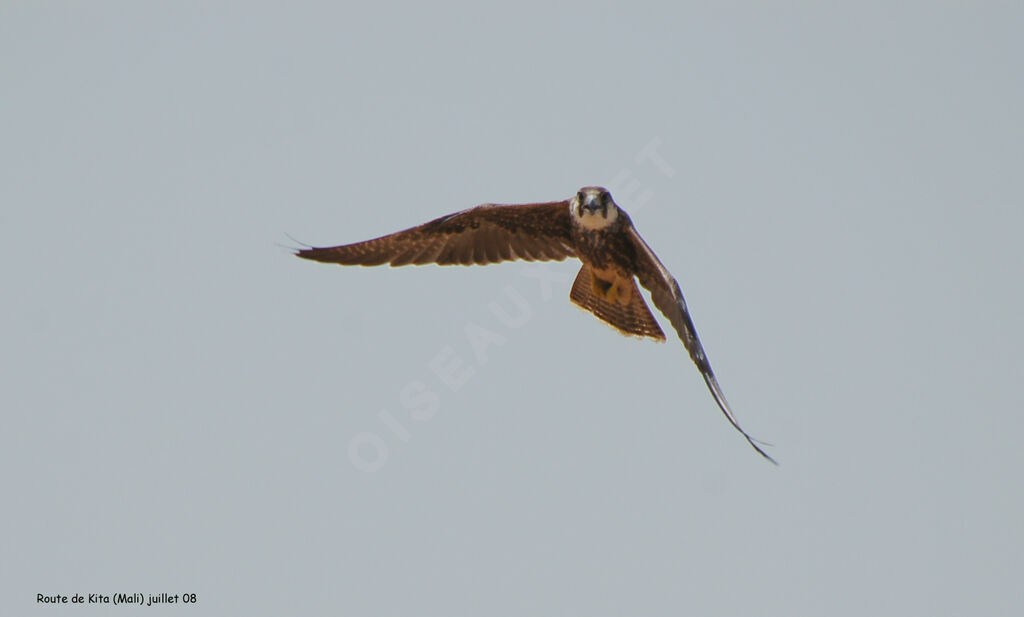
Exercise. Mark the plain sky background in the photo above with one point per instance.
(840, 198)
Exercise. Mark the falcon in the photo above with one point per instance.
(590, 227)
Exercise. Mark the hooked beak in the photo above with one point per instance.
(591, 205)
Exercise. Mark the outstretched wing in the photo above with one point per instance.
(482, 235)
(669, 299)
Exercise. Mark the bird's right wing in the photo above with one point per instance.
(485, 234)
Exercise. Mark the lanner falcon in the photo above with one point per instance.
(590, 226)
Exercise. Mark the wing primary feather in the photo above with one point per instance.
(716, 391)
(292, 238)
(491, 251)
(515, 246)
(407, 256)
(430, 252)
(504, 249)
(480, 247)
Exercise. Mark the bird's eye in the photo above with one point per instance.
(579, 196)
(606, 198)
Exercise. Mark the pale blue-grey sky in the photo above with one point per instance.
(189, 409)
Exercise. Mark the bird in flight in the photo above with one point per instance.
(590, 226)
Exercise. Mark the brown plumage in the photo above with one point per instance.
(590, 226)
(483, 235)
(629, 316)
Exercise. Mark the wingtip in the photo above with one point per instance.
(312, 254)
(765, 455)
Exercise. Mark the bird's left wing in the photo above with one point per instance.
(485, 234)
(668, 298)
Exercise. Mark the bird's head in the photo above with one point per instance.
(594, 208)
